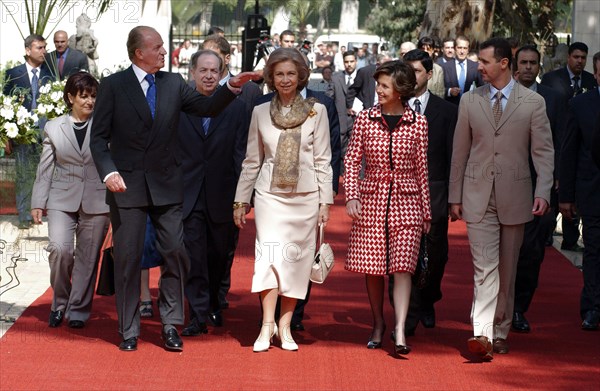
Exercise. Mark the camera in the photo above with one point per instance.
(305, 47)
(264, 46)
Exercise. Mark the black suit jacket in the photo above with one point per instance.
(555, 110)
(579, 175)
(17, 79)
(596, 143)
(441, 121)
(76, 61)
(451, 78)
(334, 130)
(212, 162)
(560, 81)
(125, 137)
(363, 87)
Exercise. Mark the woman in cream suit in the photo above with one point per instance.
(68, 187)
(288, 168)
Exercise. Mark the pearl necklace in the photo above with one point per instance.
(79, 127)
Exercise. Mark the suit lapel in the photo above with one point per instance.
(513, 101)
(86, 141)
(65, 127)
(483, 94)
(432, 109)
(131, 87)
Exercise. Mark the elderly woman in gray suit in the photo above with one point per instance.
(68, 187)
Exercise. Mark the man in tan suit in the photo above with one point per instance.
(500, 126)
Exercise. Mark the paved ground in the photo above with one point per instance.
(25, 274)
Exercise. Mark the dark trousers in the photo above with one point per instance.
(531, 256)
(129, 229)
(590, 295)
(208, 244)
(27, 158)
(423, 299)
(226, 281)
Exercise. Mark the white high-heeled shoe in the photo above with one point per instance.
(287, 341)
(265, 338)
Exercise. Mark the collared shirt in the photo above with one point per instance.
(352, 76)
(141, 74)
(459, 68)
(424, 98)
(63, 55)
(225, 79)
(30, 74)
(505, 93)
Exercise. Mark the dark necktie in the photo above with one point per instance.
(349, 81)
(61, 64)
(35, 85)
(497, 107)
(418, 106)
(205, 124)
(576, 88)
(151, 93)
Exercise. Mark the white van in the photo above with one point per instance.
(350, 41)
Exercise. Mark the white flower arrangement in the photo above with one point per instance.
(16, 123)
(50, 103)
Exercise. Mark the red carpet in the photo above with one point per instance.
(557, 355)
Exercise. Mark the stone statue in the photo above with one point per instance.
(85, 41)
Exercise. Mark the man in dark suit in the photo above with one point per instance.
(26, 80)
(441, 120)
(363, 87)
(135, 148)
(250, 92)
(65, 61)
(531, 254)
(580, 191)
(460, 73)
(571, 81)
(338, 90)
(447, 51)
(211, 151)
(334, 130)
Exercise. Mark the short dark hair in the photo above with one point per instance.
(215, 30)
(527, 48)
(403, 76)
(77, 83)
(287, 32)
(501, 49)
(447, 39)
(420, 55)
(578, 46)
(282, 55)
(425, 41)
(33, 38)
(462, 38)
(196, 56)
(221, 42)
(349, 53)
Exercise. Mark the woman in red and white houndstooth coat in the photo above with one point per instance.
(390, 207)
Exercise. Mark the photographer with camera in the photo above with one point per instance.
(288, 40)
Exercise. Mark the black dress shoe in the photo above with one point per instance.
(216, 318)
(428, 319)
(591, 320)
(172, 340)
(576, 248)
(520, 323)
(128, 345)
(194, 329)
(375, 344)
(76, 324)
(401, 350)
(56, 318)
(297, 326)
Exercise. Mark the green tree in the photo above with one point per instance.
(396, 21)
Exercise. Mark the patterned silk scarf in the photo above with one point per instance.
(287, 156)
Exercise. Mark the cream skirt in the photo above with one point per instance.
(285, 241)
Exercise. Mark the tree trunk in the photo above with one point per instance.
(349, 16)
(449, 18)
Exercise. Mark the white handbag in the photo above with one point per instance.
(323, 262)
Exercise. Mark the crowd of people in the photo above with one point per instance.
(421, 139)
